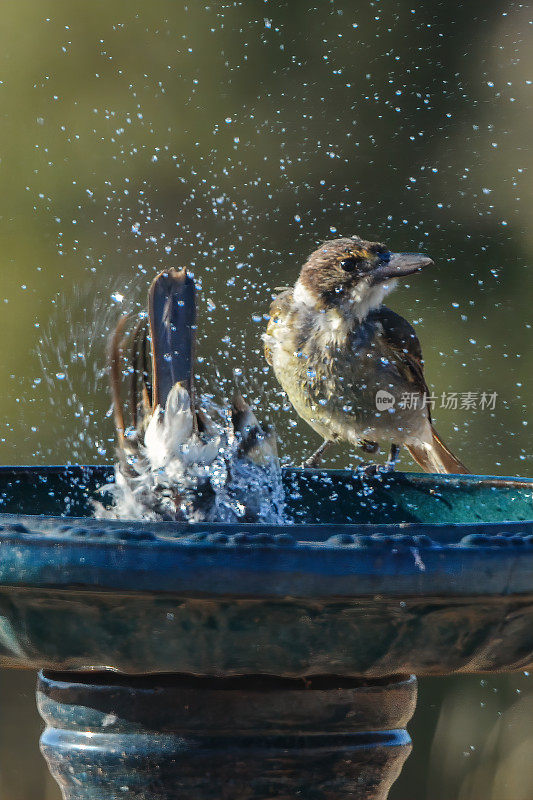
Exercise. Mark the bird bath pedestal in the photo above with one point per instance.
(256, 662)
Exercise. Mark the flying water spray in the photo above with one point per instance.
(181, 456)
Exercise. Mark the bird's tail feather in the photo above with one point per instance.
(435, 457)
(172, 317)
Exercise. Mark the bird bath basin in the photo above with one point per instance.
(257, 661)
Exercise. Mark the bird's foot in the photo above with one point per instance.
(369, 470)
(376, 470)
(369, 447)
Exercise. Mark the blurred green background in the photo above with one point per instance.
(231, 138)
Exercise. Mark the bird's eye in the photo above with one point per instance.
(350, 264)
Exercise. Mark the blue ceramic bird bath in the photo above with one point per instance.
(256, 661)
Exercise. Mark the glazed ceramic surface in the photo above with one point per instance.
(400, 574)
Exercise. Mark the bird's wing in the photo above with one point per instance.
(401, 339)
(278, 310)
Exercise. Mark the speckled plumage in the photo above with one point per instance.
(333, 346)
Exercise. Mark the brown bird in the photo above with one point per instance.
(351, 367)
(183, 457)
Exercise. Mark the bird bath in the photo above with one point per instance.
(256, 661)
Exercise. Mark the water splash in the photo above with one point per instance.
(74, 370)
(185, 457)
(228, 472)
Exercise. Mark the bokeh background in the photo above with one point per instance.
(233, 137)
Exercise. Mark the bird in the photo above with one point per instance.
(183, 458)
(337, 350)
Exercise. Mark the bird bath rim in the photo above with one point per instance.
(347, 599)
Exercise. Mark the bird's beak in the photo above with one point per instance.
(401, 264)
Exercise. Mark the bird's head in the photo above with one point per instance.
(352, 272)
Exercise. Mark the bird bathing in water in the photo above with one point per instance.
(183, 458)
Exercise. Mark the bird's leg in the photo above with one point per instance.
(369, 447)
(315, 459)
(393, 457)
